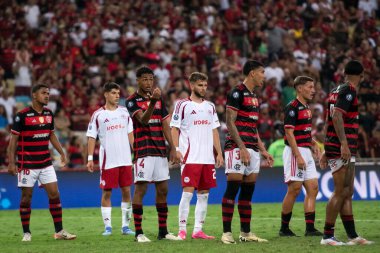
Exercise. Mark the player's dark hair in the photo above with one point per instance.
(251, 65)
(37, 87)
(143, 70)
(108, 86)
(196, 76)
(301, 80)
(354, 68)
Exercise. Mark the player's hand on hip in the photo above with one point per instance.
(245, 157)
(323, 161)
(345, 152)
(156, 95)
(301, 163)
(219, 161)
(12, 169)
(268, 157)
(90, 166)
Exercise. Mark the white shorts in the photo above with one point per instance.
(291, 170)
(337, 164)
(151, 169)
(27, 177)
(234, 165)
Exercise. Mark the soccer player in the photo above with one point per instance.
(340, 150)
(32, 131)
(114, 127)
(242, 152)
(299, 165)
(151, 124)
(194, 129)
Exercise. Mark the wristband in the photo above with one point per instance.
(90, 158)
(176, 148)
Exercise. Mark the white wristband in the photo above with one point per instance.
(176, 148)
(90, 158)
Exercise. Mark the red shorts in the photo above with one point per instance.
(116, 177)
(199, 176)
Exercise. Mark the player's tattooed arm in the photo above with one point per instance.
(231, 116)
(337, 119)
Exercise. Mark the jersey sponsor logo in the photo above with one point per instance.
(193, 112)
(176, 117)
(40, 135)
(30, 114)
(186, 179)
(235, 94)
(114, 127)
(202, 122)
(154, 121)
(292, 113)
(46, 113)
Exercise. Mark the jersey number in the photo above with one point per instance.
(237, 155)
(142, 163)
(213, 173)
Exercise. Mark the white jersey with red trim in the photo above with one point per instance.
(196, 122)
(112, 128)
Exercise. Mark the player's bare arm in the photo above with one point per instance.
(219, 157)
(316, 149)
(12, 167)
(131, 139)
(54, 141)
(175, 137)
(90, 151)
(169, 139)
(144, 118)
(268, 157)
(289, 132)
(231, 116)
(337, 119)
(323, 159)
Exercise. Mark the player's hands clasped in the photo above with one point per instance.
(156, 95)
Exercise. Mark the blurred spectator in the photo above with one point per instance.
(276, 148)
(9, 104)
(75, 153)
(4, 124)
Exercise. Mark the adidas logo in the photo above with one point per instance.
(106, 121)
(193, 112)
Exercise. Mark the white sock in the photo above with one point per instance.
(200, 211)
(106, 214)
(183, 209)
(126, 213)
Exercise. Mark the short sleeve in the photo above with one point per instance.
(92, 130)
(234, 100)
(17, 124)
(130, 125)
(215, 119)
(176, 117)
(345, 99)
(291, 115)
(164, 111)
(132, 107)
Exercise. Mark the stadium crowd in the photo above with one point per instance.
(74, 46)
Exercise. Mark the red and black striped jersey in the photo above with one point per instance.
(246, 104)
(298, 117)
(344, 99)
(149, 139)
(34, 131)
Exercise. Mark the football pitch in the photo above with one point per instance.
(87, 224)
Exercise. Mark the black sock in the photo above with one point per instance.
(162, 212)
(310, 219)
(285, 219)
(228, 204)
(349, 225)
(245, 207)
(329, 230)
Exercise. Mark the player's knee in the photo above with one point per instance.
(53, 195)
(295, 190)
(163, 191)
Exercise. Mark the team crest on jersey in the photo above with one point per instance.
(292, 113)
(235, 94)
(24, 181)
(176, 117)
(140, 174)
(41, 119)
(237, 166)
(349, 97)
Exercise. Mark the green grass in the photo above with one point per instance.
(87, 224)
